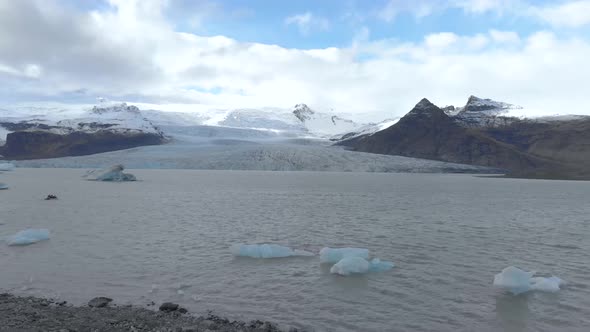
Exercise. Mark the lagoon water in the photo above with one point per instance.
(166, 238)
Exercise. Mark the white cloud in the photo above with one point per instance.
(132, 49)
(571, 14)
(504, 37)
(308, 21)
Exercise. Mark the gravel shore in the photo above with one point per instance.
(37, 314)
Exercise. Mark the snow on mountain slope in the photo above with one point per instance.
(479, 112)
(120, 118)
(322, 124)
(266, 118)
(368, 129)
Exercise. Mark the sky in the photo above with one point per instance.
(377, 57)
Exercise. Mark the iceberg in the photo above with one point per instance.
(517, 281)
(334, 255)
(377, 265)
(358, 265)
(266, 251)
(350, 265)
(28, 236)
(546, 284)
(113, 174)
(6, 167)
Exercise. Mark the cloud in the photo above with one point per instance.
(571, 14)
(308, 21)
(131, 49)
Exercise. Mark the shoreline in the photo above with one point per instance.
(39, 314)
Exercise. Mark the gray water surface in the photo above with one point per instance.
(166, 238)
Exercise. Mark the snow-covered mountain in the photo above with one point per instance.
(479, 112)
(367, 129)
(117, 118)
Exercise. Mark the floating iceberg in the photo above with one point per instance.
(334, 255)
(518, 281)
(3, 186)
(6, 167)
(266, 251)
(28, 236)
(546, 284)
(358, 265)
(377, 265)
(114, 174)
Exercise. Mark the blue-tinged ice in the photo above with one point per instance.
(377, 265)
(28, 236)
(546, 284)
(350, 265)
(3, 186)
(112, 174)
(518, 281)
(266, 251)
(6, 166)
(334, 255)
(358, 265)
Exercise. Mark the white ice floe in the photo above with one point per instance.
(6, 166)
(334, 255)
(358, 265)
(266, 251)
(518, 281)
(112, 174)
(28, 236)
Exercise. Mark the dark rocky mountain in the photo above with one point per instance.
(38, 144)
(552, 149)
(100, 129)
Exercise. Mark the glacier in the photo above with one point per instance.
(334, 255)
(112, 174)
(28, 236)
(518, 281)
(6, 166)
(266, 251)
(359, 265)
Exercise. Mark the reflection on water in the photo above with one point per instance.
(513, 311)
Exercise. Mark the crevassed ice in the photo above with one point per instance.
(28, 236)
(358, 265)
(266, 251)
(518, 281)
(334, 255)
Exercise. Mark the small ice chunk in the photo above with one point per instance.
(112, 174)
(350, 265)
(334, 255)
(546, 284)
(6, 166)
(377, 265)
(518, 281)
(358, 265)
(28, 236)
(3, 186)
(266, 251)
